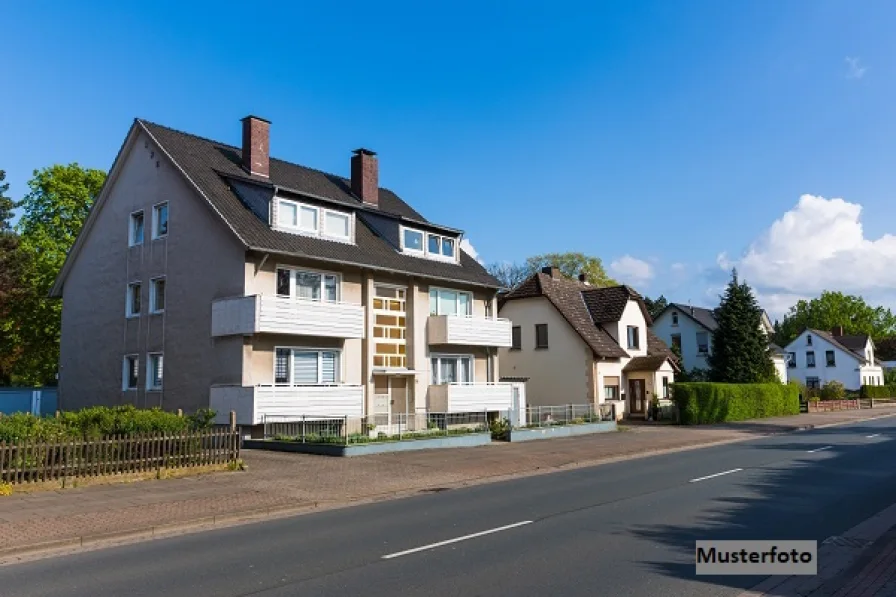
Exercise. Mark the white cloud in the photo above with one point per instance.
(467, 247)
(818, 245)
(678, 267)
(854, 70)
(631, 270)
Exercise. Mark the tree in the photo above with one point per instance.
(571, 265)
(508, 274)
(739, 346)
(53, 213)
(11, 262)
(835, 309)
(656, 306)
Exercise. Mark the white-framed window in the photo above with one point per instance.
(634, 340)
(154, 367)
(309, 285)
(703, 342)
(451, 368)
(160, 220)
(135, 229)
(611, 392)
(130, 372)
(157, 295)
(428, 244)
(305, 366)
(674, 318)
(133, 302)
(809, 339)
(313, 220)
(810, 358)
(541, 335)
(665, 387)
(450, 302)
(791, 360)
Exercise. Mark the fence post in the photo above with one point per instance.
(345, 428)
(232, 421)
(303, 428)
(58, 414)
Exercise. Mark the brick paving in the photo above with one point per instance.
(277, 480)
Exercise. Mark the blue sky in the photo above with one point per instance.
(664, 137)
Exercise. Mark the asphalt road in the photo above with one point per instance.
(626, 528)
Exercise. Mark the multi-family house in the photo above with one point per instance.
(690, 329)
(816, 357)
(211, 275)
(579, 344)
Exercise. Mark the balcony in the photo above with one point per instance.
(252, 403)
(469, 331)
(471, 397)
(259, 314)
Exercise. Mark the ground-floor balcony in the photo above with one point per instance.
(253, 403)
(475, 397)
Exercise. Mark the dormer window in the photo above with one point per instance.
(312, 220)
(428, 244)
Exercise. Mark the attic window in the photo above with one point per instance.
(428, 244)
(312, 220)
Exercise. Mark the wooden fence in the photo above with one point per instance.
(818, 406)
(29, 461)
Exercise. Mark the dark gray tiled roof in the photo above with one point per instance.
(214, 166)
(648, 363)
(704, 317)
(854, 344)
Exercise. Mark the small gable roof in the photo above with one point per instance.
(853, 344)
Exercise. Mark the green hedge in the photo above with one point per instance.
(100, 421)
(879, 391)
(704, 402)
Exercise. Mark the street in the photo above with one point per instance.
(626, 528)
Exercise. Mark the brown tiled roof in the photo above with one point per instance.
(607, 304)
(566, 296)
(648, 363)
(211, 166)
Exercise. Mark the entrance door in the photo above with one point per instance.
(636, 390)
(399, 395)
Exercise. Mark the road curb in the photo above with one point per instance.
(229, 519)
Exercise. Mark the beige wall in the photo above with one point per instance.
(201, 261)
(258, 366)
(262, 279)
(557, 375)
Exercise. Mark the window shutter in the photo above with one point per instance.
(304, 367)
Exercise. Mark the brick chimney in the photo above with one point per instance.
(837, 331)
(553, 271)
(583, 278)
(366, 176)
(256, 146)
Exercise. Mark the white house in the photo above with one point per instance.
(816, 357)
(690, 329)
(578, 344)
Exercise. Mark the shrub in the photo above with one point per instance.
(878, 391)
(833, 390)
(704, 402)
(100, 421)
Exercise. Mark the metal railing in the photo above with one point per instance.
(386, 427)
(569, 414)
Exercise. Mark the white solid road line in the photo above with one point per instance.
(734, 470)
(456, 539)
(872, 435)
(819, 449)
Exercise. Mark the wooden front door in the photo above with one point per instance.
(636, 390)
(399, 395)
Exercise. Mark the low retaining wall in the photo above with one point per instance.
(454, 441)
(820, 406)
(525, 435)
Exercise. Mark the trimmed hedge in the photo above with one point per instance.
(705, 402)
(100, 421)
(879, 391)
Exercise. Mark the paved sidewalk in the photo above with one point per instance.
(278, 484)
(859, 563)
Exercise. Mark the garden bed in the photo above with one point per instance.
(373, 446)
(525, 434)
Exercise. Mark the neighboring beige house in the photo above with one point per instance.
(579, 344)
(212, 275)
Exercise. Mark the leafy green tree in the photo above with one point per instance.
(890, 377)
(835, 309)
(573, 264)
(739, 346)
(53, 213)
(10, 283)
(656, 306)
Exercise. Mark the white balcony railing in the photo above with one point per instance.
(281, 315)
(471, 397)
(470, 331)
(252, 403)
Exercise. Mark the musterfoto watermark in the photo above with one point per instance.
(765, 558)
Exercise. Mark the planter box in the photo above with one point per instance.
(820, 406)
(535, 433)
(453, 441)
